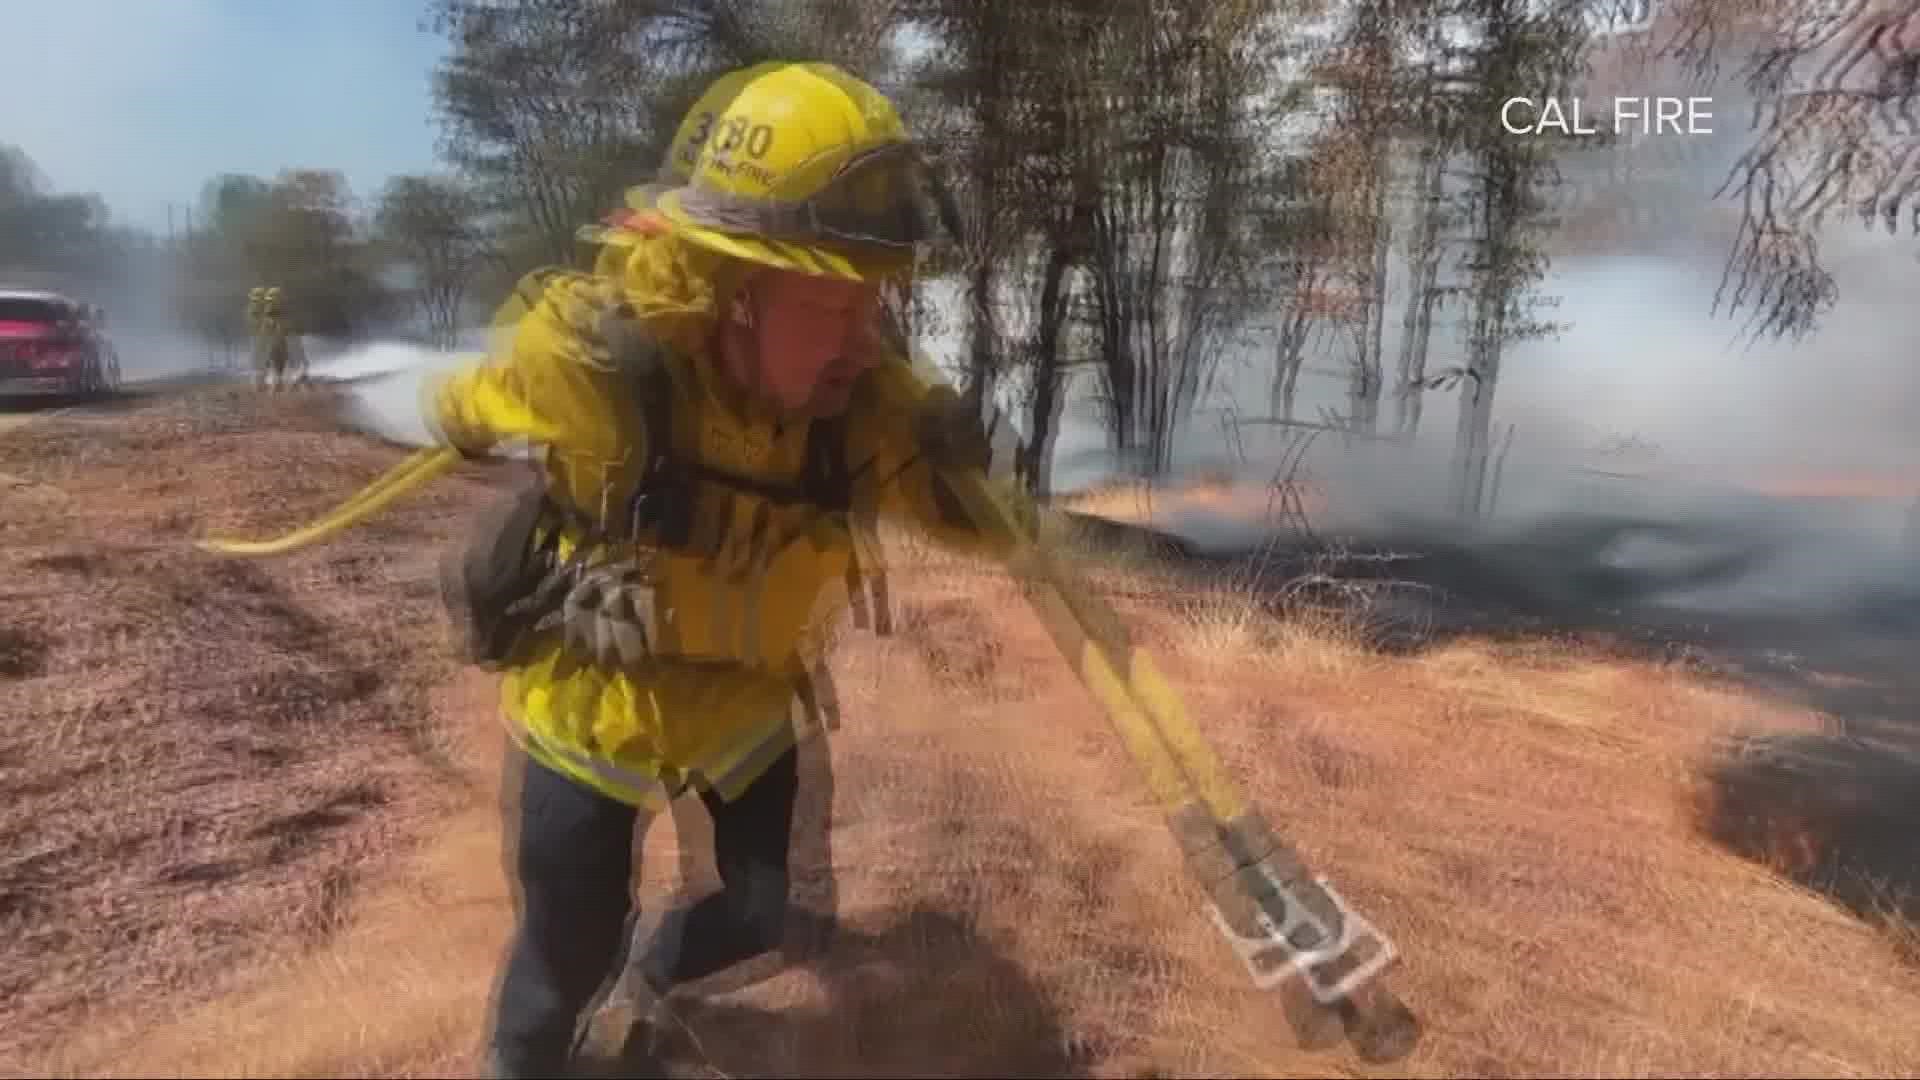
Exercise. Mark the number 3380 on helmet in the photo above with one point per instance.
(807, 169)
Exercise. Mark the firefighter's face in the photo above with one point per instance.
(812, 337)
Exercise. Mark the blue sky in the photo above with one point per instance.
(142, 101)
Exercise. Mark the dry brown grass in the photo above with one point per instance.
(1519, 820)
(202, 759)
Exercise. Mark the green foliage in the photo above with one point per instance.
(299, 232)
(47, 235)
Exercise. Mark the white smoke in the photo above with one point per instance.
(386, 379)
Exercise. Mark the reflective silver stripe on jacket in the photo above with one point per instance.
(653, 792)
(747, 767)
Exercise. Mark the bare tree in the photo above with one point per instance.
(542, 104)
(1174, 269)
(1355, 158)
(1436, 129)
(982, 86)
(434, 227)
(1002, 108)
(1837, 133)
(1512, 48)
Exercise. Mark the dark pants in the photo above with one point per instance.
(570, 850)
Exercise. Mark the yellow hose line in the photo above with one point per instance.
(1142, 706)
(417, 469)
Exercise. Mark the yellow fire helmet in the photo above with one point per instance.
(676, 168)
(806, 169)
(683, 156)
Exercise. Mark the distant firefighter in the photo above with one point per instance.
(277, 357)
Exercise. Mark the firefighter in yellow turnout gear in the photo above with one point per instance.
(720, 425)
(697, 551)
(277, 357)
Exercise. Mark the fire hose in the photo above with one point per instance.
(1287, 925)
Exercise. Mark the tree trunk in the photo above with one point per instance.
(981, 337)
(987, 156)
(1473, 433)
(1500, 207)
(1033, 462)
(1115, 307)
(1289, 351)
(1357, 377)
(1423, 271)
(1377, 290)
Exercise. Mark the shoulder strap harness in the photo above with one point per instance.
(661, 512)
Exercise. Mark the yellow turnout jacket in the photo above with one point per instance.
(737, 631)
(272, 338)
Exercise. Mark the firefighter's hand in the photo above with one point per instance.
(471, 446)
(473, 451)
(443, 424)
(950, 433)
